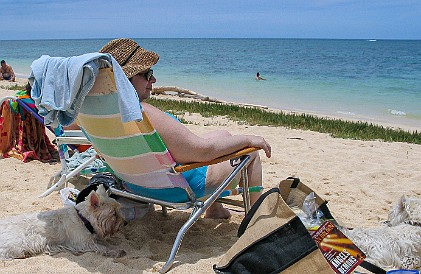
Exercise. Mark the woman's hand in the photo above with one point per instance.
(260, 142)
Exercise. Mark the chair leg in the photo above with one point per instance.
(164, 211)
(54, 179)
(56, 186)
(193, 218)
(246, 192)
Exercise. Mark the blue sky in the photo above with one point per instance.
(343, 19)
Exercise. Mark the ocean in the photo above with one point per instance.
(373, 80)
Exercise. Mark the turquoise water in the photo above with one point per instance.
(359, 79)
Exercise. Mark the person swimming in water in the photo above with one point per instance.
(258, 77)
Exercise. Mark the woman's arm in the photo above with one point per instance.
(186, 147)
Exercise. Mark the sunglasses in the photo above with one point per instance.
(148, 74)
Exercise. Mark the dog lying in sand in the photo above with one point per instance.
(75, 229)
(397, 244)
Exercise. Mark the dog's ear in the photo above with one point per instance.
(93, 199)
(398, 213)
(101, 191)
(412, 207)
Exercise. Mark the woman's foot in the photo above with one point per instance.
(217, 211)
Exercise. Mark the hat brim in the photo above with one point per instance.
(132, 70)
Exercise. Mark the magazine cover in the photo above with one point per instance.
(340, 252)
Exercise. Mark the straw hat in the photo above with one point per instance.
(131, 57)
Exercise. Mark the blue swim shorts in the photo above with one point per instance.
(195, 177)
(197, 180)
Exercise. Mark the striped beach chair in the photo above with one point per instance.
(136, 154)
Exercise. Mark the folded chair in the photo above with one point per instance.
(65, 140)
(80, 163)
(136, 155)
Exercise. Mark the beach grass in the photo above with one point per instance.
(13, 87)
(257, 116)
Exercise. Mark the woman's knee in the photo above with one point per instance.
(255, 157)
(217, 173)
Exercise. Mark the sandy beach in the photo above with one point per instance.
(361, 180)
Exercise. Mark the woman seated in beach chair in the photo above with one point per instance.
(184, 145)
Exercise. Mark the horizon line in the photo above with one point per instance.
(251, 38)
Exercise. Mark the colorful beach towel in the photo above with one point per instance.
(23, 136)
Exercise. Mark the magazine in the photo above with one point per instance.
(340, 252)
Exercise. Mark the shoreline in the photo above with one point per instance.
(176, 93)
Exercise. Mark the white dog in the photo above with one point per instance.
(397, 244)
(75, 229)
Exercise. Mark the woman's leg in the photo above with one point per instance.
(218, 172)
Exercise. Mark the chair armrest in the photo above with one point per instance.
(234, 155)
(74, 133)
(73, 137)
(72, 140)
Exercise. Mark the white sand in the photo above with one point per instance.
(360, 179)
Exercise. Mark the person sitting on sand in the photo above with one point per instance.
(6, 72)
(184, 145)
(258, 77)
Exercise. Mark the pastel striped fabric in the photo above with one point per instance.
(133, 150)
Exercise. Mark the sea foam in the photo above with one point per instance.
(397, 112)
(345, 113)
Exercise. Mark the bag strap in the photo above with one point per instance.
(295, 181)
(372, 268)
(253, 209)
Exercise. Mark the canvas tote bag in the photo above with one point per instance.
(273, 240)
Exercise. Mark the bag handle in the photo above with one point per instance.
(372, 267)
(244, 224)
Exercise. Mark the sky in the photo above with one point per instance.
(336, 19)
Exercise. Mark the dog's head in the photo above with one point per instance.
(407, 210)
(102, 212)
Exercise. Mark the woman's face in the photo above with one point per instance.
(142, 85)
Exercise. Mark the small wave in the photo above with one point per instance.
(397, 112)
(21, 75)
(346, 113)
